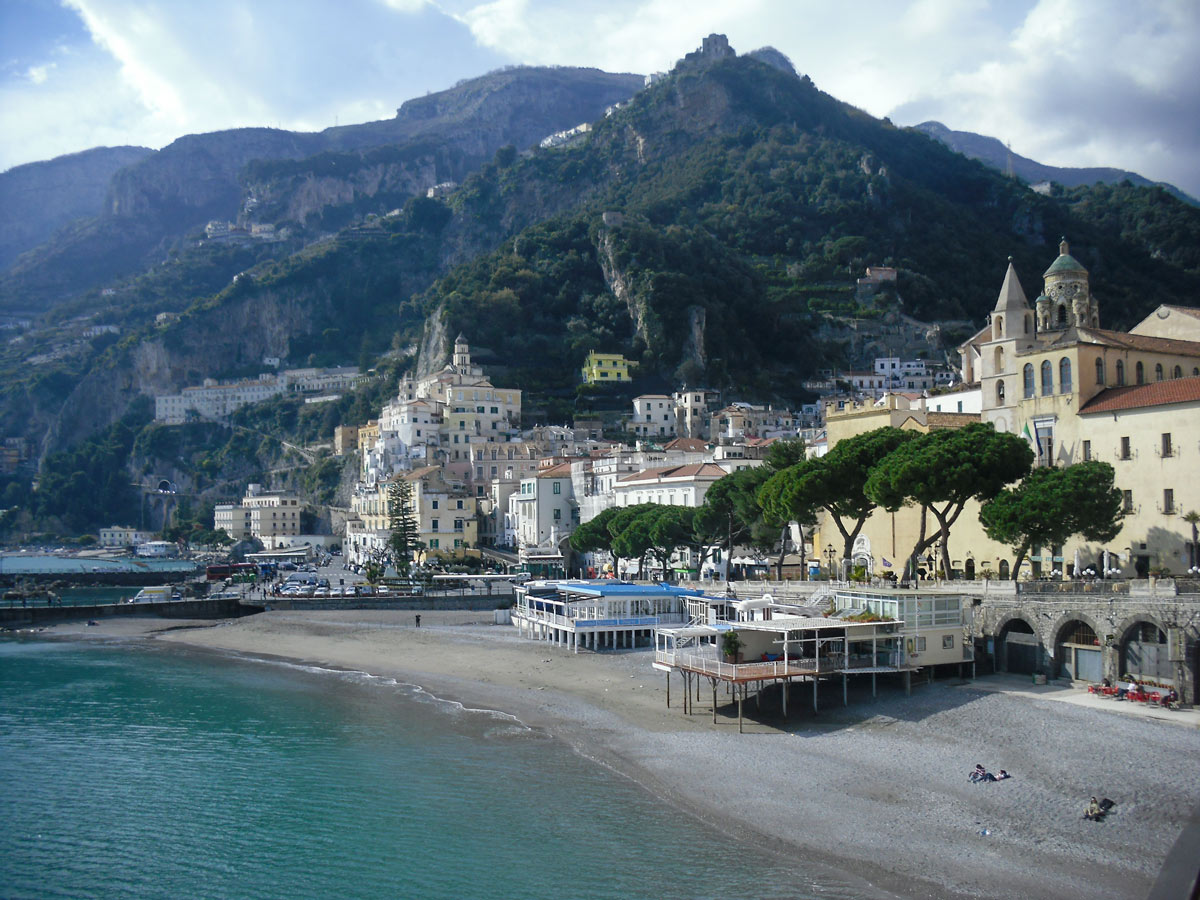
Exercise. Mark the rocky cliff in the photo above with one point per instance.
(39, 198)
(357, 169)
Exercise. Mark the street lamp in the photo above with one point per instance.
(829, 554)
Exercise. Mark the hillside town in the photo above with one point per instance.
(484, 484)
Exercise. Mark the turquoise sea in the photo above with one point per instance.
(135, 770)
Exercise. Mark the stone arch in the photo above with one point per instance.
(1005, 570)
(1018, 647)
(998, 360)
(1142, 650)
(997, 327)
(1078, 648)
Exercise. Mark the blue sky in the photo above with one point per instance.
(1066, 82)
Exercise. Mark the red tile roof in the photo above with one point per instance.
(1158, 393)
(1143, 342)
(693, 471)
(690, 445)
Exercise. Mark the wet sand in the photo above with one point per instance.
(877, 788)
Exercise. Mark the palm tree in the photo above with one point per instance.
(1193, 519)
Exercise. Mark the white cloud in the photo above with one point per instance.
(1068, 82)
(39, 74)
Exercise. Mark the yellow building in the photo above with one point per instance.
(605, 368)
(1076, 392)
(445, 512)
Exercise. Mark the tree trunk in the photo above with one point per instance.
(1020, 559)
(782, 552)
(803, 554)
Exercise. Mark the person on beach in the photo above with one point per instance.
(1093, 811)
(1003, 775)
(979, 774)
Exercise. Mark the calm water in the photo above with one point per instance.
(136, 771)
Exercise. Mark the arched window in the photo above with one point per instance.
(1061, 315)
(1064, 375)
(1027, 324)
(1100, 372)
(1196, 370)
(1047, 378)
(1140, 373)
(1120, 372)
(1004, 569)
(998, 327)
(998, 359)
(1178, 373)
(1000, 391)
(1158, 372)
(1028, 373)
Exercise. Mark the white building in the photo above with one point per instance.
(123, 536)
(653, 416)
(670, 485)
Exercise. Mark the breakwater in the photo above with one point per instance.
(225, 608)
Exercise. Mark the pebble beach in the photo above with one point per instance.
(877, 788)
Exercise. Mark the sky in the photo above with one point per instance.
(1065, 82)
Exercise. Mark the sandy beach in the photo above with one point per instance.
(878, 788)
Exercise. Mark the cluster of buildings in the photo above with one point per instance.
(479, 482)
(216, 399)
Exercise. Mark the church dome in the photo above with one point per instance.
(1065, 264)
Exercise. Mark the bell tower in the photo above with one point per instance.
(1066, 301)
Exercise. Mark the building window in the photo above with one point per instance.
(1047, 378)
(920, 644)
(1100, 372)
(1064, 375)
(1000, 391)
(458, 524)
(1127, 501)
(1087, 451)
(433, 543)
(1125, 450)
(1169, 501)
(433, 504)
(947, 642)
(1028, 373)
(557, 514)
(1166, 445)
(1120, 372)
(433, 524)
(1139, 373)
(1158, 372)
(558, 487)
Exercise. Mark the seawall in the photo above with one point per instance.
(175, 609)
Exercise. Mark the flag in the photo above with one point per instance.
(1037, 448)
(887, 564)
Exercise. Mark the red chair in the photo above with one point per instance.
(1156, 698)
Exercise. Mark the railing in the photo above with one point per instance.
(710, 665)
(548, 618)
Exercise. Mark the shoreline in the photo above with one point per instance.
(875, 791)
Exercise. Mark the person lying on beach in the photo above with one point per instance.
(1093, 811)
(1002, 775)
(978, 775)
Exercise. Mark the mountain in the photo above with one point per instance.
(38, 198)
(711, 228)
(153, 204)
(995, 154)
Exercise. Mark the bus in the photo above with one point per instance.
(219, 573)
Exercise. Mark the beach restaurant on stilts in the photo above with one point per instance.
(596, 615)
(747, 646)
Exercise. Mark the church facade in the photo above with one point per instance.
(1076, 392)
